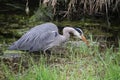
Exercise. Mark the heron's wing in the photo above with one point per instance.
(34, 42)
(24, 42)
(34, 37)
(43, 41)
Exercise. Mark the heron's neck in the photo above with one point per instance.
(66, 32)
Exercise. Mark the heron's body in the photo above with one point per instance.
(42, 37)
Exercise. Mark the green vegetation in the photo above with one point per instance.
(96, 62)
(83, 63)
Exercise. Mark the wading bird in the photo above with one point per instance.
(44, 37)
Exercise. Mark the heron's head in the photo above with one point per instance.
(79, 33)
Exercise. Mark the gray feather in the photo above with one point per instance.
(37, 38)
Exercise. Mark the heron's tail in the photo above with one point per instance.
(12, 47)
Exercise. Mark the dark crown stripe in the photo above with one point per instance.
(77, 29)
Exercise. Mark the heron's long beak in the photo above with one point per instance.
(84, 39)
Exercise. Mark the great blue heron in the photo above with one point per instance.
(44, 37)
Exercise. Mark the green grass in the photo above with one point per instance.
(81, 63)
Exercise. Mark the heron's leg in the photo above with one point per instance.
(45, 53)
(45, 50)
